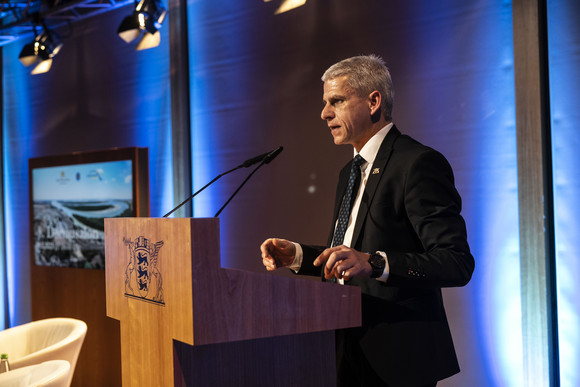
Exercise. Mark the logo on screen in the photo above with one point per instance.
(143, 278)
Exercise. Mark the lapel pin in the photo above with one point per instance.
(376, 171)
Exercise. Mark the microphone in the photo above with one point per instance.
(268, 156)
(265, 158)
(272, 155)
(254, 160)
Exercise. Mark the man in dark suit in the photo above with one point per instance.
(399, 237)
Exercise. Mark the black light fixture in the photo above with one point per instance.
(144, 22)
(41, 51)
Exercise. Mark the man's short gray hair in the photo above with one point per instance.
(366, 74)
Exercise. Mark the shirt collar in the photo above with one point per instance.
(371, 148)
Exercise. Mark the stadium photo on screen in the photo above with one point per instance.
(70, 204)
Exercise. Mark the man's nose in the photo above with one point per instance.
(326, 112)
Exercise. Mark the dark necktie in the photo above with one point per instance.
(348, 200)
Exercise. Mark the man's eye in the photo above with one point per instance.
(333, 102)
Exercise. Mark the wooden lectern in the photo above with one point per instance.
(186, 321)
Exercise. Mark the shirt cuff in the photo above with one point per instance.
(385, 275)
(297, 263)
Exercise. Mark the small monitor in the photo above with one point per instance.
(72, 194)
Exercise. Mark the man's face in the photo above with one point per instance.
(347, 115)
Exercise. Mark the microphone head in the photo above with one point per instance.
(254, 160)
(272, 155)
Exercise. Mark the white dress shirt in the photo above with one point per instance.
(369, 153)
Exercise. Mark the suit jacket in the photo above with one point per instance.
(410, 209)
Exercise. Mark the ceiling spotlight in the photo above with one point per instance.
(41, 51)
(144, 22)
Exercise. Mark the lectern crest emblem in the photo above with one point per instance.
(143, 278)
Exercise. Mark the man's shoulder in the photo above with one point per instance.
(406, 143)
(409, 151)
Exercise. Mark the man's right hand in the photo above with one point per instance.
(277, 253)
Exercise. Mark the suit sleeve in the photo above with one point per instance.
(310, 254)
(433, 208)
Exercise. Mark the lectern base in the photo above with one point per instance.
(295, 360)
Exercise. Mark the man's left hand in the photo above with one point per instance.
(344, 263)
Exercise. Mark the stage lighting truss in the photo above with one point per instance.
(40, 52)
(143, 23)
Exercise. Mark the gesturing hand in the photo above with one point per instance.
(277, 253)
(344, 263)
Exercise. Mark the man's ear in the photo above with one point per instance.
(375, 99)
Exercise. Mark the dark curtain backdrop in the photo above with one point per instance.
(255, 85)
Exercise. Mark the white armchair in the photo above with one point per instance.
(54, 373)
(44, 340)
